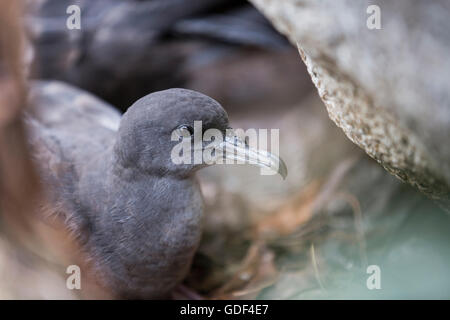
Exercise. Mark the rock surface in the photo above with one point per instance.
(387, 88)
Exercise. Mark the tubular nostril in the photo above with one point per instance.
(186, 128)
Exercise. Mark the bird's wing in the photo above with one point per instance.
(66, 126)
(242, 26)
(68, 123)
(57, 104)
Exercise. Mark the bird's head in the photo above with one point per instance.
(177, 131)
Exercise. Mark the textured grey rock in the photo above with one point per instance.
(387, 89)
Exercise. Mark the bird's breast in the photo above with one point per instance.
(146, 237)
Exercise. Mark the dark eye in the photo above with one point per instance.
(186, 128)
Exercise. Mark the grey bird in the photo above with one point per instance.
(136, 213)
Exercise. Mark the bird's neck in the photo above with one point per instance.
(128, 200)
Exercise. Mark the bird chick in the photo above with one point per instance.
(136, 213)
